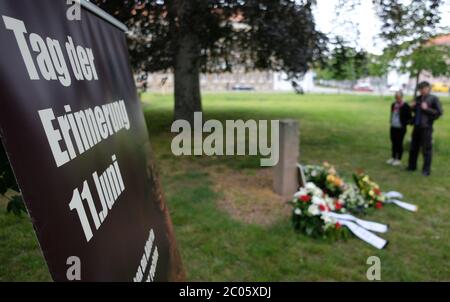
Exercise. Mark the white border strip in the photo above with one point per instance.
(102, 14)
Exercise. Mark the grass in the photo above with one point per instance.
(349, 131)
(20, 255)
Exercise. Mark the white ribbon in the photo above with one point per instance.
(368, 225)
(403, 205)
(365, 235)
(393, 195)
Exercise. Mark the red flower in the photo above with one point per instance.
(323, 208)
(379, 205)
(305, 198)
(377, 191)
(338, 225)
(338, 205)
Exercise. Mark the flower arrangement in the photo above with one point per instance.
(323, 206)
(352, 200)
(369, 190)
(326, 178)
(310, 206)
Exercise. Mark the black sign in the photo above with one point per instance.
(76, 137)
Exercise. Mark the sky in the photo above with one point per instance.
(362, 19)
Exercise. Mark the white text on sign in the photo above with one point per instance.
(82, 130)
(109, 187)
(49, 56)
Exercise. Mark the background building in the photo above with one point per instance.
(238, 80)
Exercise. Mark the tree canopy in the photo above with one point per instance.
(408, 28)
(344, 63)
(408, 22)
(193, 36)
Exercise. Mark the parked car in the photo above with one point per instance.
(440, 87)
(242, 87)
(363, 87)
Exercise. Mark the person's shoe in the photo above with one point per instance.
(409, 169)
(396, 163)
(390, 161)
(426, 173)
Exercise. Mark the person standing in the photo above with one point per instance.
(426, 109)
(400, 118)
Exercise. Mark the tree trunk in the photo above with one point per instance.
(187, 78)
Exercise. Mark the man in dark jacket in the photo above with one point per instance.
(400, 118)
(426, 108)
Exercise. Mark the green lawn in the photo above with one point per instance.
(348, 131)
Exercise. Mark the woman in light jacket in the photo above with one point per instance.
(400, 118)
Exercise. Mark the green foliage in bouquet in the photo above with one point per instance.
(369, 190)
(351, 198)
(310, 206)
(313, 227)
(353, 201)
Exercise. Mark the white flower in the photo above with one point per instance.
(310, 186)
(317, 200)
(318, 192)
(298, 212)
(331, 205)
(302, 192)
(326, 219)
(314, 210)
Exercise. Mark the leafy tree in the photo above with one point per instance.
(408, 23)
(378, 67)
(344, 63)
(408, 27)
(432, 58)
(193, 36)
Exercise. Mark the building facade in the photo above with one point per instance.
(239, 80)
